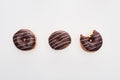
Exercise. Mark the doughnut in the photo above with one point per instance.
(92, 42)
(24, 39)
(59, 40)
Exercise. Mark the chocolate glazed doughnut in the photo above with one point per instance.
(59, 40)
(92, 42)
(24, 39)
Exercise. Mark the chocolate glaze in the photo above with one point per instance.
(59, 40)
(24, 39)
(93, 42)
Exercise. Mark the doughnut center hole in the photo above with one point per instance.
(24, 39)
(91, 39)
(58, 39)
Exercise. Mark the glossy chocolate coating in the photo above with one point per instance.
(93, 42)
(24, 39)
(59, 40)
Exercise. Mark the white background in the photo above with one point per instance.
(46, 16)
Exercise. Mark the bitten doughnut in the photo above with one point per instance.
(59, 40)
(24, 39)
(92, 42)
